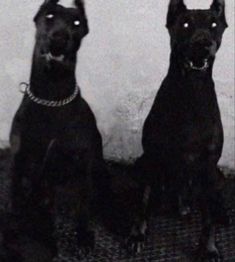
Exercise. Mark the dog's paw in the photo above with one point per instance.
(51, 247)
(184, 208)
(211, 254)
(224, 217)
(86, 243)
(10, 255)
(136, 241)
(184, 211)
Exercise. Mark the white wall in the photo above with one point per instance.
(121, 65)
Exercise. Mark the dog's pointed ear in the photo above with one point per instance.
(175, 8)
(80, 4)
(218, 6)
(45, 4)
(54, 2)
(81, 7)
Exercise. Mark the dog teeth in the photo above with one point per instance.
(202, 68)
(50, 57)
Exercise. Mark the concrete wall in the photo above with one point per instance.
(121, 64)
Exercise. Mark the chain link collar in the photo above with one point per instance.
(48, 103)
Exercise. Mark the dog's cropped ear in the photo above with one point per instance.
(175, 8)
(218, 6)
(78, 2)
(81, 7)
(45, 4)
(54, 2)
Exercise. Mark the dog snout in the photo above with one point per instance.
(59, 40)
(59, 36)
(202, 43)
(202, 47)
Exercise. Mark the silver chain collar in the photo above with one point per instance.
(49, 103)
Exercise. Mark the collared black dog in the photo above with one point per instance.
(183, 134)
(54, 136)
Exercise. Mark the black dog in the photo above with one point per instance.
(183, 134)
(54, 136)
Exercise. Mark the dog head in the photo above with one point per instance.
(60, 30)
(196, 34)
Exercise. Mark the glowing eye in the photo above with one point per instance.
(50, 16)
(214, 25)
(186, 25)
(76, 22)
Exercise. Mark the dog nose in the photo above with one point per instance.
(201, 40)
(60, 36)
(203, 43)
(58, 42)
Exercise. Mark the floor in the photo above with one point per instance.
(171, 238)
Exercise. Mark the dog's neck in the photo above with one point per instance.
(180, 70)
(52, 80)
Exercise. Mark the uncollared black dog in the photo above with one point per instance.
(54, 136)
(183, 135)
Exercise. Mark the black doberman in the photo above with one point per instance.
(54, 137)
(183, 135)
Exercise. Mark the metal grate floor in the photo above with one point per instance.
(170, 239)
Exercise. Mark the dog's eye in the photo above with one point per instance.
(214, 25)
(50, 16)
(186, 25)
(76, 22)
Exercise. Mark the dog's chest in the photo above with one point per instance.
(199, 117)
(45, 124)
(186, 117)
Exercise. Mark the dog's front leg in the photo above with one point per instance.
(207, 248)
(213, 211)
(135, 242)
(24, 175)
(85, 236)
(84, 188)
(26, 218)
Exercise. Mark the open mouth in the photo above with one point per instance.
(50, 57)
(203, 67)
